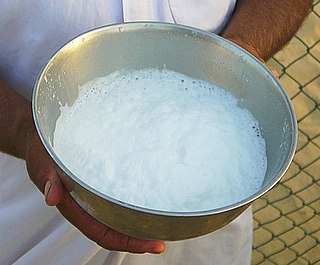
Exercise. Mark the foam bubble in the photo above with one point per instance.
(162, 140)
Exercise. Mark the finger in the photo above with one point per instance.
(274, 72)
(102, 234)
(123, 242)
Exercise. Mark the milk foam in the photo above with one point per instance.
(162, 140)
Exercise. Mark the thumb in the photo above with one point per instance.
(42, 171)
(53, 190)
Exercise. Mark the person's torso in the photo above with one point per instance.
(33, 30)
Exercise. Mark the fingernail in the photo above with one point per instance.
(47, 188)
(159, 248)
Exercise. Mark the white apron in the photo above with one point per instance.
(32, 233)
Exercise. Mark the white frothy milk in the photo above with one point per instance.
(162, 140)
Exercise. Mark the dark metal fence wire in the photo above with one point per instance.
(287, 219)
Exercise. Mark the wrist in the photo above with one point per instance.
(15, 121)
(24, 132)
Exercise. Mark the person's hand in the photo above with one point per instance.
(42, 172)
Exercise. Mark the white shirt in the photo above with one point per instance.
(32, 30)
(32, 233)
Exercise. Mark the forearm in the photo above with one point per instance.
(266, 25)
(15, 117)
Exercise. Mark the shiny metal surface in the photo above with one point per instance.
(189, 51)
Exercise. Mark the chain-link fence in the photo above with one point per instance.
(287, 219)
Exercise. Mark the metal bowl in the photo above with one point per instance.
(186, 50)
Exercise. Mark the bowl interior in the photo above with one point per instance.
(189, 51)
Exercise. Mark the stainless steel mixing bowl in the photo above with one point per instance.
(187, 50)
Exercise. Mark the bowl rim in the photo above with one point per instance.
(194, 32)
